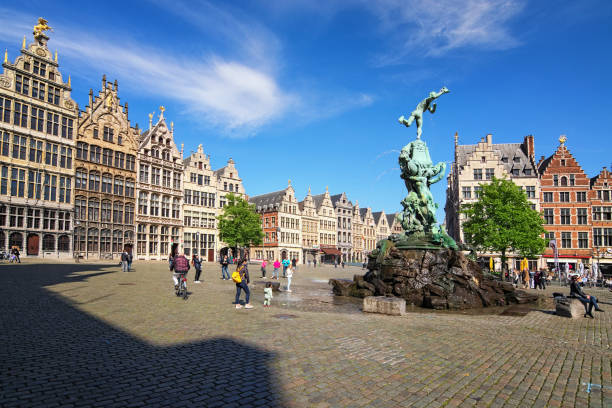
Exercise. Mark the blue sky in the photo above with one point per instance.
(311, 91)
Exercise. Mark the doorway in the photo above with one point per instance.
(33, 241)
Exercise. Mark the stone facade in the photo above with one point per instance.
(105, 177)
(358, 238)
(476, 164)
(601, 220)
(159, 219)
(310, 229)
(369, 231)
(394, 225)
(38, 120)
(281, 221)
(344, 216)
(200, 207)
(327, 227)
(383, 229)
(228, 181)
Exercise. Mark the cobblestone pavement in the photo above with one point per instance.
(89, 335)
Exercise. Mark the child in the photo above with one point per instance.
(268, 294)
(289, 276)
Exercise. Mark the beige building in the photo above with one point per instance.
(369, 231)
(205, 191)
(382, 225)
(310, 229)
(395, 227)
(38, 120)
(358, 238)
(327, 228)
(478, 164)
(159, 188)
(105, 177)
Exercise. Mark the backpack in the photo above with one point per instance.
(236, 277)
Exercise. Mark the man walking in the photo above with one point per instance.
(124, 260)
(224, 265)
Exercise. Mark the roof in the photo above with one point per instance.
(363, 212)
(269, 200)
(509, 150)
(318, 200)
(376, 216)
(336, 198)
(391, 218)
(544, 164)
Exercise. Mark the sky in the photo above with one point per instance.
(311, 90)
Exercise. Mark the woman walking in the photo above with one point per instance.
(197, 264)
(277, 265)
(241, 277)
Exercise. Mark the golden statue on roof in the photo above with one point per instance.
(562, 139)
(41, 27)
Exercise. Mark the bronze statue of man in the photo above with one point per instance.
(422, 107)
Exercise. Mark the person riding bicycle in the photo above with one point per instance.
(180, 266)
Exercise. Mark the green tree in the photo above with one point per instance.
(502, 220)
(239, 224)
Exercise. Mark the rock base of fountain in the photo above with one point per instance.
(433, 278)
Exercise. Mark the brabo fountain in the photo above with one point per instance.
(423, 264)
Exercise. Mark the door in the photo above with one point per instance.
(211, 255)
(32, 244)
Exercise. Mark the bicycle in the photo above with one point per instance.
(181, 289)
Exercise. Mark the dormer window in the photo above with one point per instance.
(52, 75)
(563, 162)
(516, 159)
(504, 160)
(527, 172)
(26, 66)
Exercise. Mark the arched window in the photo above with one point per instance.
(80, 208)
(129, 214)
(16, 240)
(107, 183)
(231, 187)
(143, 200)
(117, 241)
(63, 243)
(118, 186)
(79, 239)
(564, 181)
(81, 178)
(93, 209)
(155, 153)
(105, 240)
(48, 243)
(94, 181)
(118, 212)
(105, 214)
(167, 142)
(92, 240)
(161, 140)
(154, 205)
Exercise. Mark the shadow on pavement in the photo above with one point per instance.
(52, 354)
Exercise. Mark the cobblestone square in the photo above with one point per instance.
(89, 335)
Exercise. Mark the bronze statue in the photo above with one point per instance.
(422, 107)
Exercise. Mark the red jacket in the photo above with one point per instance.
(180, 264)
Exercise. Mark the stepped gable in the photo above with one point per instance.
(560, 163)
(603, 177)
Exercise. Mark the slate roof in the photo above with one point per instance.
(267, 201)
(390, 219)
(509, 150)
(362, 213)
(318, 200)
(376, 216)
(336, 198)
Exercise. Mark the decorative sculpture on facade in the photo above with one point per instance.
(40, 28)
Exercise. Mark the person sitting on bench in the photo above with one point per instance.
(587, 301)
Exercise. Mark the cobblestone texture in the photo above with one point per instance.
(89, 335)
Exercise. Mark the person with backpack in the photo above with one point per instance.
(241, 278)
(179, 266)
(224, 266)
(197, 264)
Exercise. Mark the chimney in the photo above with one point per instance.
(529, 147)
(489, 138)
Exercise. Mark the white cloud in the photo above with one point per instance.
(436, 27)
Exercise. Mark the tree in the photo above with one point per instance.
(239, 224)
(502, 220)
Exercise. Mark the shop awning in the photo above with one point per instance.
(330, 251)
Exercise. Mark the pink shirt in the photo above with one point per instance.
(263, 264)
(277, 264)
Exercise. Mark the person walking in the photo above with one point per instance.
(16, 252)
(173, 253)
(525, 279)
(277, 266)
(124, 260)
(130, 258)
(342, 264)
(286, 262)
(268, 294)
(263, 268)
(314, 262)
(289, 277)
(197, 264)
(588, 301)
(241, 277)
(224, 266)
(294, 264)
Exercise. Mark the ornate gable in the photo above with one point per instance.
(562, 167)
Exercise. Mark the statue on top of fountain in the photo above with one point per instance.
(419, 173)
